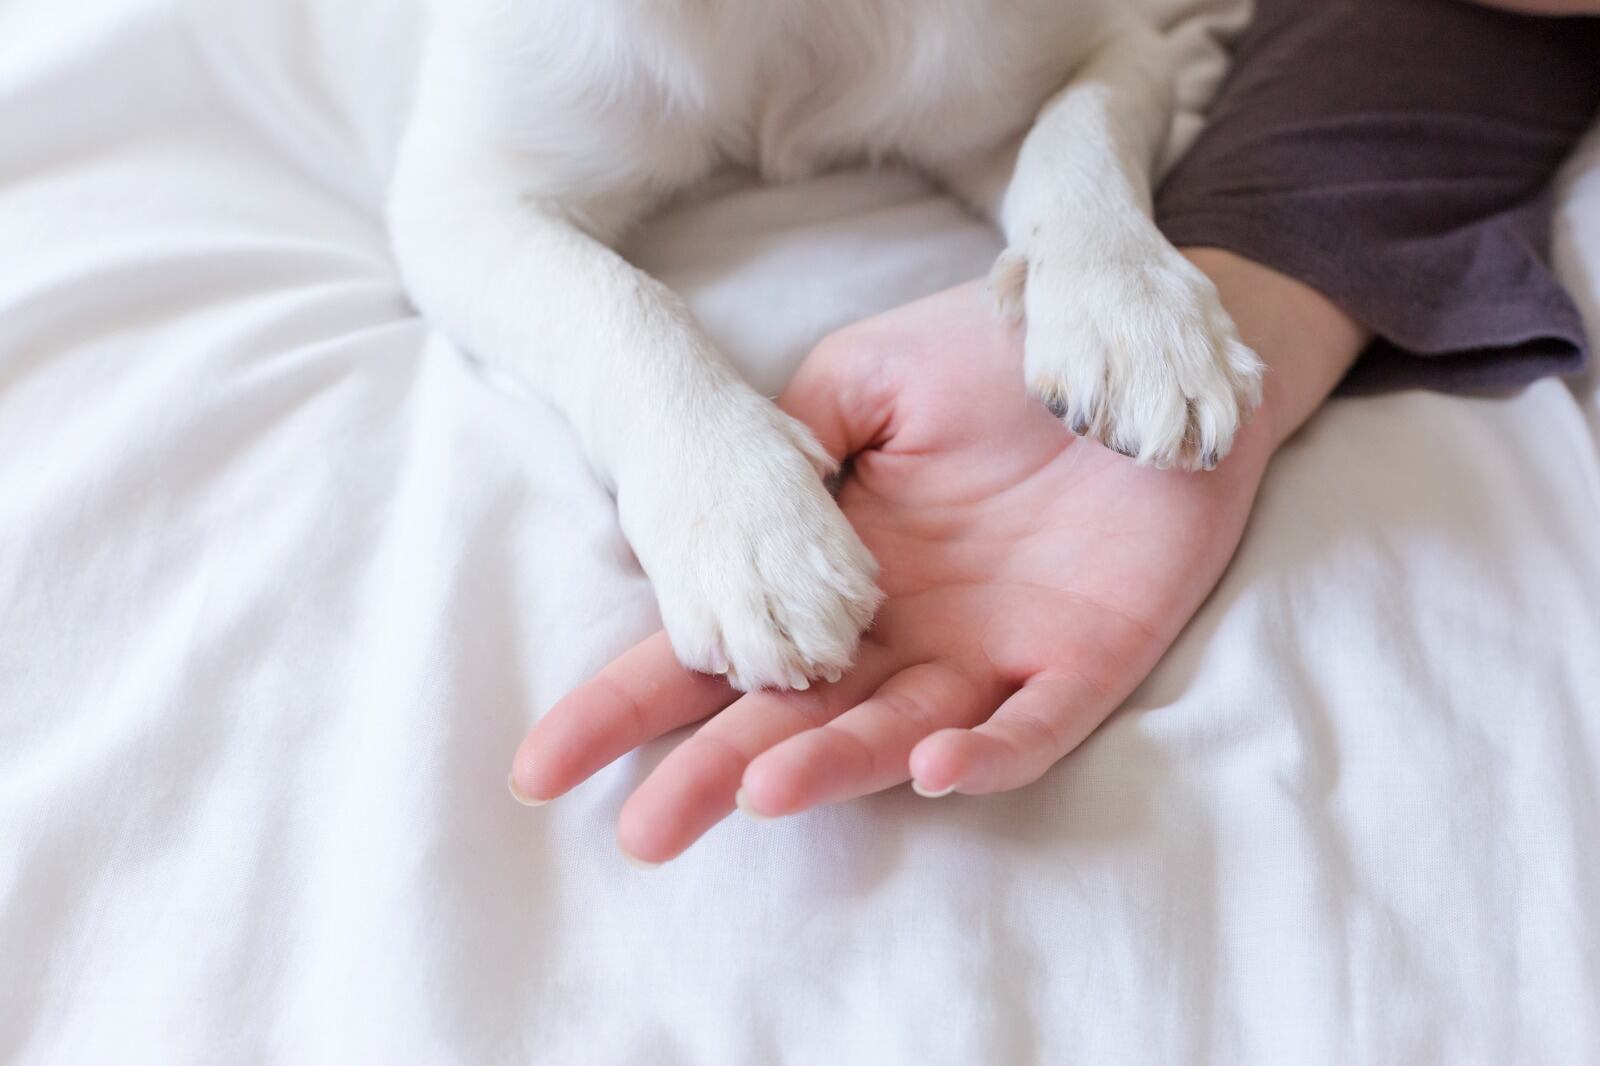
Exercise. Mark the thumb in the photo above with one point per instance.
(845, 394)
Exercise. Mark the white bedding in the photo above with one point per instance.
(284, 582)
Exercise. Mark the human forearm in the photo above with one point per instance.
(1307, 342)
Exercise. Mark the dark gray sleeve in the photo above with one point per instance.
(1397, 155)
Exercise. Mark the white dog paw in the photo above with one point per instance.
(1130, 346)
(759, 575)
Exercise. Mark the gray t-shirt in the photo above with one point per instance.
(1397, 155)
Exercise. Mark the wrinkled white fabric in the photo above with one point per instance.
(285, 581)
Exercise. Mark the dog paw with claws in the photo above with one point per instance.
(1129, 345)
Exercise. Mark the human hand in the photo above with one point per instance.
(1033, 580)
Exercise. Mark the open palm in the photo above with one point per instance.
(1033, 581)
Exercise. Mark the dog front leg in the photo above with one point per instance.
(1126, 340)
(758, 574)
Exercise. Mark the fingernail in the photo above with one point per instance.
(916, 786)
(517, 794)
(742, 800)
(638, 863)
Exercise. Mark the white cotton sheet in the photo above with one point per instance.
(285, 581)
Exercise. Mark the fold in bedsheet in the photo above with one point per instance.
(285, 581)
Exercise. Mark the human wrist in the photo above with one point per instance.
(1307, 343)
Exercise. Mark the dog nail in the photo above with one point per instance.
(1056, 406)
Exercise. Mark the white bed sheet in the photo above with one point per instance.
(284, 583)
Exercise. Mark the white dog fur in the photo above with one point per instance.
(546, 128)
